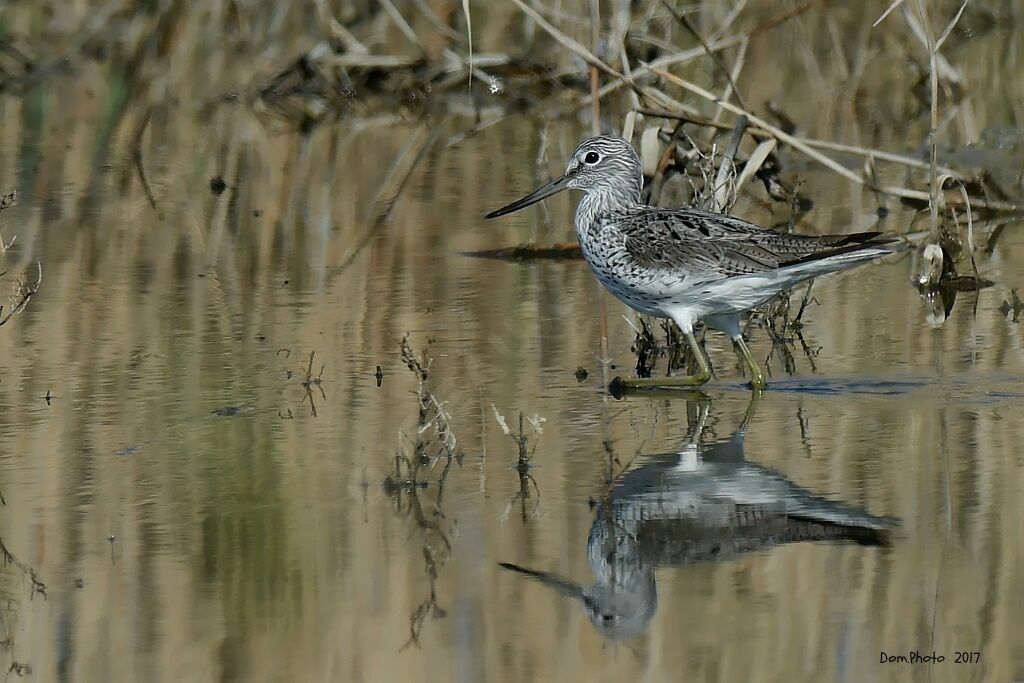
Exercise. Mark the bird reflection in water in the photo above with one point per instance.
(705, 503)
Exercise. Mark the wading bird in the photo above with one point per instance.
(706, 503)
(687, 264)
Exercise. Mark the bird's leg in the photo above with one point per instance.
(755, 397)
(620, 386)
(757, 380)
(702, 418)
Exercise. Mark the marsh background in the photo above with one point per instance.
(197, 508)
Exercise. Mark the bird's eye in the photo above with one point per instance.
(592, 157)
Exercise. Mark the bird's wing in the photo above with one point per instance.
(722, 246)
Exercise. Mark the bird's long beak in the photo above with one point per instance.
(554, 187)
(563, 586)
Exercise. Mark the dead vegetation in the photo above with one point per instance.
(688, 145)
(711, 181)
(955, 200)
(671, 77)
(23, 287)
(9, 610)
(22, 291)
(415, 476)
(8, 558)
(308, 382)
(528, 488)
(8, 613)
(388, 62)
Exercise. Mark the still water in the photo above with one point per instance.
(202, 500)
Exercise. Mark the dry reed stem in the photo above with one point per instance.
(714, 54)
(730, 18)
(933, 84)
(721, 44)
(938, 234)
(925, 37)
(887, 12)
(595, 39)
(22, 293)
(590, 58)
(403, 26)
(741, 60)
(760, 133)
(444, 29)
(338, 31)
(970, 228)
(828, 162)
(585, 54)
(727, 165)
(757, 158)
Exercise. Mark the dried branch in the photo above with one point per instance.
(7, 557)
(21, 295)
(826, 161)
(714, 54)
(410, 478)
(136, 154)
(761, 134)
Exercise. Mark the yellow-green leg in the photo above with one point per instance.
(757, 379)
(748, 416)
(703, 374)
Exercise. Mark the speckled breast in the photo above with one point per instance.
(604, 251)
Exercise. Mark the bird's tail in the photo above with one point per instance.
(837, 245)
(850, 251)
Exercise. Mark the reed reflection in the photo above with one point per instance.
(704, 503)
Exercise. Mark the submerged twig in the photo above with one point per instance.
(523, 461)
(22, 294)
(433, 422)
(136, 154)
(434, 442)
(7, 557)
(311, 381)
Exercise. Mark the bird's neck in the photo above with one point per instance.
(600, 202)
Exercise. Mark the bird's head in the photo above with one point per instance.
(604, 164)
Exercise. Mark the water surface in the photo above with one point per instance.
(198, 507)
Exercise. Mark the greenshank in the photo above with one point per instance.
(687, 264)
(704, 503)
